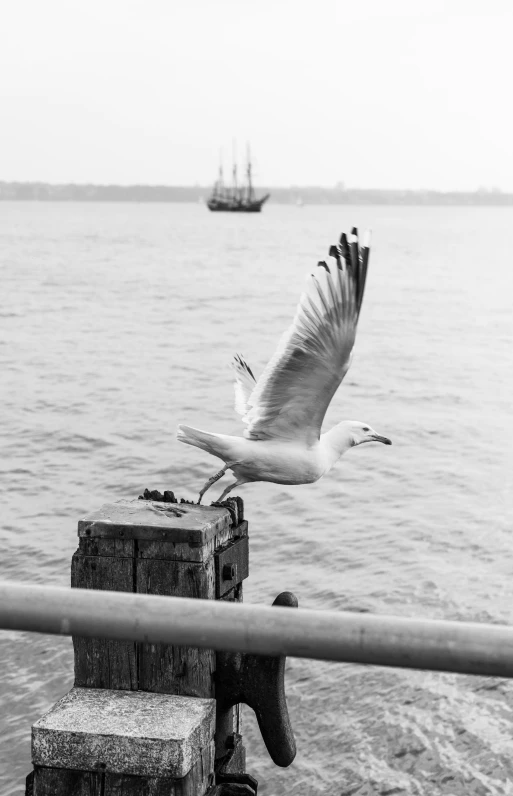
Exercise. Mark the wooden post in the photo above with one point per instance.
(160, 548)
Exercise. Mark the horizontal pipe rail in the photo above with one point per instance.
(463, 647)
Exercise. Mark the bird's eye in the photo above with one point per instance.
(366, 428)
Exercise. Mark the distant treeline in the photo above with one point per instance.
(44, 192)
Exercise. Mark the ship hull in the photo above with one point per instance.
(221, 206)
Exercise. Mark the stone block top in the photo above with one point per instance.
(124, 732)
(155, 521)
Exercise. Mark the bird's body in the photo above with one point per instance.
(284, 410)
(279, 461)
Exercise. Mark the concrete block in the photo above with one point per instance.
(124, 732)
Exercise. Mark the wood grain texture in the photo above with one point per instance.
(183, 551)
(169, 669)
(101, 663)
(63, 782)
(117, 548)
(132, 565)
(154, 520)
(196, 783)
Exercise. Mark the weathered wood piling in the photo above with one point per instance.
(142, 718)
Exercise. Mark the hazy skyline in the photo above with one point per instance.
(382, 95)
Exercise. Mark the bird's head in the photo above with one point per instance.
(361, 432)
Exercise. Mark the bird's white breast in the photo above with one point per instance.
(282, 462)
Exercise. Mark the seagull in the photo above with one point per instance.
(284, 410)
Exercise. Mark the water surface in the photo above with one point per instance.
(119, 320)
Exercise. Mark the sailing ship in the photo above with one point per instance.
(235, 198)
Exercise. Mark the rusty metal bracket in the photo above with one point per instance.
(232, 789)
(239, 780)
(258, 681)
(231, 565)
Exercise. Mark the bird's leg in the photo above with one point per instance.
(211, 481)
(215, 478)
(229, 488)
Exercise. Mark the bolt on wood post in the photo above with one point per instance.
(147, 547)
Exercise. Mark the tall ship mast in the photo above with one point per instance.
(218, 191)
(238, 198)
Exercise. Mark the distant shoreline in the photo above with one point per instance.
(46, 192)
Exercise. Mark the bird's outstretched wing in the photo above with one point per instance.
(291, 397)
(244, 384)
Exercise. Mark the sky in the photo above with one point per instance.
(370, 93)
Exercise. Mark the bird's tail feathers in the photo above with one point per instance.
(200, 439)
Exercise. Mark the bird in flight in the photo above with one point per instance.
(284, 410)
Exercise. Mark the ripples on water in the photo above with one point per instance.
(118, 321)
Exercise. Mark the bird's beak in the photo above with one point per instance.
(384, 440)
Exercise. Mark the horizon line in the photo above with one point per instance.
(338, 187)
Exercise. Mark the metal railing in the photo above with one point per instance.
(381, 640)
